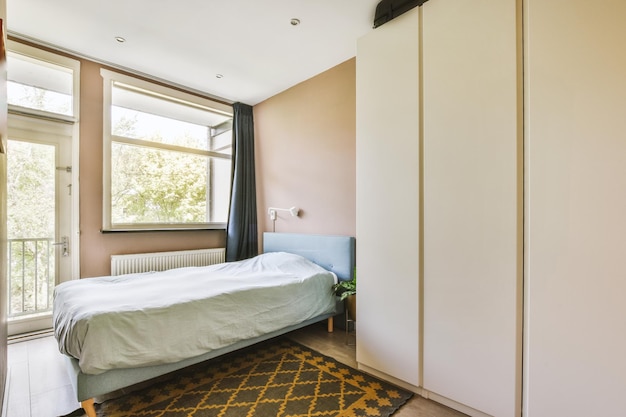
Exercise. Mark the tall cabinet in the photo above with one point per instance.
(439, 203)
(575, 85)
(491, 205)
(3, 204)
(472, 114)
(388, 203)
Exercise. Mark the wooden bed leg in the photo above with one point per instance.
(331, 324)
(89, 408)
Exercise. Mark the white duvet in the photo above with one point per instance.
(154, 318)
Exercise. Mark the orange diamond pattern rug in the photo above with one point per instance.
(275, 378)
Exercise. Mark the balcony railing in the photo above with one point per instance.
(31, 276)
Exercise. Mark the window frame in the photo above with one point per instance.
(110, 78)
(45, 57)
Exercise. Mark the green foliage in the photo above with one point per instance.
(30, 190)
(343, 289)
(30, 225)
(157, 186)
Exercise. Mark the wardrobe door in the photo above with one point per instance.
(387, 224)
(472, 204)
(3, 204)
(575, 362)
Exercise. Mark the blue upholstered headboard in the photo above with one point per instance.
(335, 253)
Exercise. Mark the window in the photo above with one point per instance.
(39, 82)
(167, 157)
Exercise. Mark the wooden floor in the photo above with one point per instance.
(38, 381)
(39, 385)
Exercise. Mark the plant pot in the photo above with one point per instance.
(351, 307)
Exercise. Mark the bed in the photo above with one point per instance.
(334, 254)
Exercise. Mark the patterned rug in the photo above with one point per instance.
(275, 378)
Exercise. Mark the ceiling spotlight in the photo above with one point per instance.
(219, 76)
(119, 39)
(295, 22)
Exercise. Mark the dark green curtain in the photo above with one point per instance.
(242, 233)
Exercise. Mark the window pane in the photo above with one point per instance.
(221, 170)
(30, 226)
(138, 125)
(39, 85)
(30, 190)
(163, 187)
(141, 115)
(223, 143)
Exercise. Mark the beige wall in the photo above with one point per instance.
(96, 247)
(305, 154)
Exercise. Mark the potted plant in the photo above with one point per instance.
(346, 290)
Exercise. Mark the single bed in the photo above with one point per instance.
(335, 254)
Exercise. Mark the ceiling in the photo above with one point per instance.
(250, 43)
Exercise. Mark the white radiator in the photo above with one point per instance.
(160, 261)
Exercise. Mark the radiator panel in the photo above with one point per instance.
(161, 261)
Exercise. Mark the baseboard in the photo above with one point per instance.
(423, 392)
(29, 336)
(400, 383)
(453, 404)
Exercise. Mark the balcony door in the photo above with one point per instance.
(39, 210)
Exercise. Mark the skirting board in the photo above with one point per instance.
(453, 404)
(389, 378)
(423, 392)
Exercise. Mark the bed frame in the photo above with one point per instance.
(334, 253)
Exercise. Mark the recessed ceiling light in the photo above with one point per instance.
(295, 22)
(219, 76)
(120, 39)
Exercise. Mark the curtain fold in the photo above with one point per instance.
(242, 229)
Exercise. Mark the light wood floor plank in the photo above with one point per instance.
(53, 403)
(19, 390)
(47, 370)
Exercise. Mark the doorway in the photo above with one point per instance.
(40, 250)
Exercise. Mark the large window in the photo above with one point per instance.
(167, 157)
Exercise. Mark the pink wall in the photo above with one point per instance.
(305, 153)
(305, 145)
(96, 247)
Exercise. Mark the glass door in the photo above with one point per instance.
(38, 225)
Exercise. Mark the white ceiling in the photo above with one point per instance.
(188, 42)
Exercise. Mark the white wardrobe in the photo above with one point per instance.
(491, 205)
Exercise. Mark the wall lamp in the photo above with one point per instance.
(294, 211)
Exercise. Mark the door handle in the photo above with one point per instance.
(64, 243)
